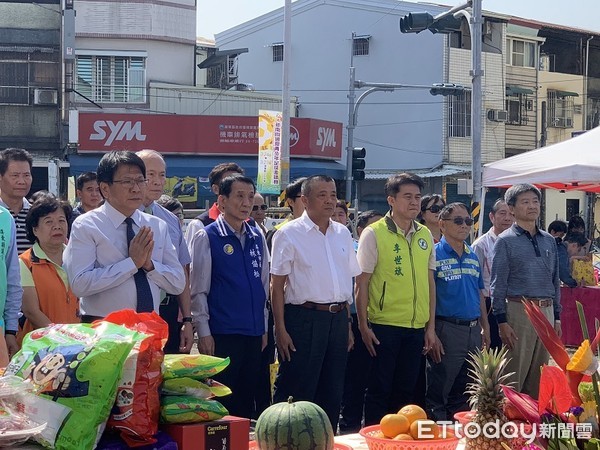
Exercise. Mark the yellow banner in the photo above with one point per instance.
(269, 152)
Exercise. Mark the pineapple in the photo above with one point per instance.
(486, 396)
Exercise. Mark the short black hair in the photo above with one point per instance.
(216, 174)
(170, 203)
(39, 194)
(395, 182)
(46, 204)
(85, 177)
(365, 216)
(342, 204)
(513, 192)
(449, 209)
(308, 183)
(294, 189)
(111, 161)
(14, 154)
(558, 226)
(576, 238)
(226, 183)
(576, 222)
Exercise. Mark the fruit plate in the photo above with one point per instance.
(336, 446)
(376, 443)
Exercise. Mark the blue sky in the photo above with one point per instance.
(216, 16)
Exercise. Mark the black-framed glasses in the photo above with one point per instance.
(460, 220)
(263, 207)
(129, 184)
(433, 208)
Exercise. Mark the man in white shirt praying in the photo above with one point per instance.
(119, 257)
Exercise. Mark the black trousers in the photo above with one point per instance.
(169, 311)
(495, 341)
(316, 370)
(358, 370)
(262, 397)
(242, 373)
(395, 371)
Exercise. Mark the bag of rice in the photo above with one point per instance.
(198, 367)
(194, 388)
(76, 366)
(184, 409)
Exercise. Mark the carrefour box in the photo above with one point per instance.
(228, 433)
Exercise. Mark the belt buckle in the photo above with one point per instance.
(333, 305)
(472, 323)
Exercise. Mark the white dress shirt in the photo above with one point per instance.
(484, 249)
(99, 267)
(319, 266)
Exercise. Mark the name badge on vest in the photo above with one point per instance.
(228, 249)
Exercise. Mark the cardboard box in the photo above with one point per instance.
(228, 433)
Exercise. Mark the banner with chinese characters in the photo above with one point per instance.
(269, 152)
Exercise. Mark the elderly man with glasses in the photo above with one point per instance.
(460, 314)
(119, 257)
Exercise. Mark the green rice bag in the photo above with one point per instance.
(185, 409)
(194, 388)
(76, 369)
(198, 367)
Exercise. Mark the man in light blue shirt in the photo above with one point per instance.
(181, 334)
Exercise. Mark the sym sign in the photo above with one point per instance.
(201, 135)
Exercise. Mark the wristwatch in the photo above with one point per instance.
(188, 319)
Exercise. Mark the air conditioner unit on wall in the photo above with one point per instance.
(45, 97)
(497, 115)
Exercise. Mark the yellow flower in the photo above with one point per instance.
(589, 412)
(583, 360)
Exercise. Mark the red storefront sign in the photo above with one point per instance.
(201, 135)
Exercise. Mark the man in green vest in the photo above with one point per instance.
(395, 297)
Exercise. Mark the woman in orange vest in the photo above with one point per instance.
(47, 296)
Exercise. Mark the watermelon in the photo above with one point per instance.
(294, 426)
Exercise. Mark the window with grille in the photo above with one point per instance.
(459, 115)
(112, 79)
(516, 107)
(360, 46)
(520, 53)
(560, 110)
(20, 73)
(277, 52)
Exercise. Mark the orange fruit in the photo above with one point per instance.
(378, 435)
(394, 424)
(403, 437)
(424, 429)
(413, 412)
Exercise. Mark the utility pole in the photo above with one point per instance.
(351, 125)
(285, 95)
(477, 98)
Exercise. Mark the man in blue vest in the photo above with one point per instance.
(229, 278)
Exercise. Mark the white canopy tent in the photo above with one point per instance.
(570, 165)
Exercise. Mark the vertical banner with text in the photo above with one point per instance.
(269, 152)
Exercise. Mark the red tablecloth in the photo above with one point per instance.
(589, 297)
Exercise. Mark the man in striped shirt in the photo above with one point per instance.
(15, 183)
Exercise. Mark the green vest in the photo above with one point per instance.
(399, 285)
(5, 238)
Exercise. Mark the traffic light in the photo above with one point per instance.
(415, 22)
(358, 163)
(446, 89)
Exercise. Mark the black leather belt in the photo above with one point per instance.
(333, 308)
(541, 302)
(463, 322)
(86, 318)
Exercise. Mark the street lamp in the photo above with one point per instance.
(435, 89)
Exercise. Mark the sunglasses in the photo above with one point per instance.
(460, 220)
(433, 208)
(263, 207)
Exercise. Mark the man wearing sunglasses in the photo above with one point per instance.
(259, 212)
(460, 314)
(525, 266)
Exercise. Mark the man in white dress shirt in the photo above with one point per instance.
(313, 262)
(106, 272)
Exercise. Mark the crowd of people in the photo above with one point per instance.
(360, 326)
